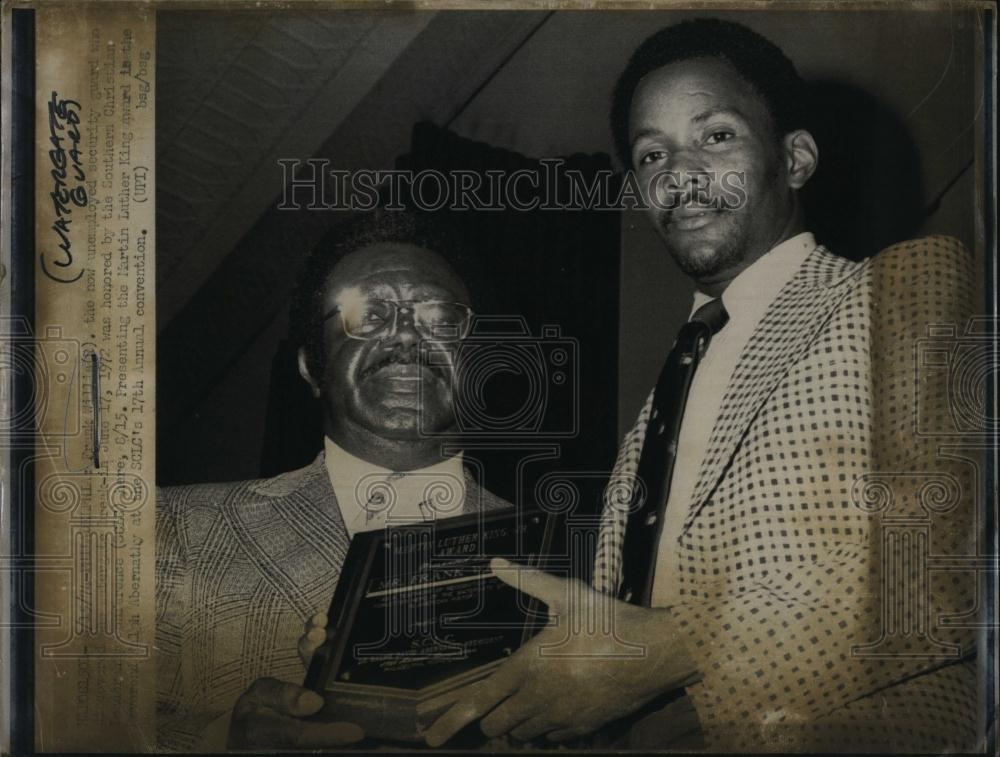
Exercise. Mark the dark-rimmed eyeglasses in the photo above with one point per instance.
(375, 318)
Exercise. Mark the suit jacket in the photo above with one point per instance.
(240, 567)
(805, 636)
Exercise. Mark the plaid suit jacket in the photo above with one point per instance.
(782, 555)
(240, 567)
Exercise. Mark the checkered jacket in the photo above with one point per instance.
(239, 569)
(814, 469)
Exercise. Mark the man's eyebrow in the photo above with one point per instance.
(647, 132)
(699, 118)
(707, 114)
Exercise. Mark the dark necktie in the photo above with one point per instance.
(659, 451)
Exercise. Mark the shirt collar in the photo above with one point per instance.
(752, 291)
(346, 471)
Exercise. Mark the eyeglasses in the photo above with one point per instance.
(371, 318)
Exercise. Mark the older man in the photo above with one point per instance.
(242, 566)
(756, 554)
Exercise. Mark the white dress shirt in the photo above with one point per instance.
(371, 497)
(746, 299)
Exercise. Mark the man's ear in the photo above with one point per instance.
(801, 157)
(304, 372)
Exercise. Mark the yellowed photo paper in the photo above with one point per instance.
(466, 377)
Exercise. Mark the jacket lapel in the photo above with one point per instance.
(292, 527)
(789, 325)
(479, 499)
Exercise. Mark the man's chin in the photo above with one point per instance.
(698, 258)
(405, 421)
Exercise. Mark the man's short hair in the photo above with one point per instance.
(357, 232)
(756, 59)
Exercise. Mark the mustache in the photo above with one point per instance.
(687, 200)
(398, 358)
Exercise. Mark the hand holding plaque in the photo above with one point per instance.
(270, 715)
(614, 657)
(418, 614)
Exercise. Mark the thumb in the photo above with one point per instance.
(551, 590)
(309, 642)
(284, 698)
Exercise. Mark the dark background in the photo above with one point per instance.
(238, 91)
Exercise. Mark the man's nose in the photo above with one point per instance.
(683, 175)
(404, 331)
(686, 167)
